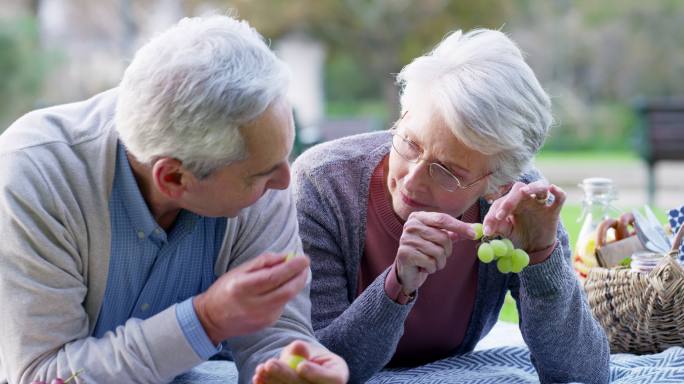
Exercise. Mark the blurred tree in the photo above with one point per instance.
(22, 67)
(593, 57)
(596, 57)
(379, 36)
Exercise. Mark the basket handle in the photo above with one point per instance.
(677, 241)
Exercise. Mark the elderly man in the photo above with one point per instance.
(147, 225)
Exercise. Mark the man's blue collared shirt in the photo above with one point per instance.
(151, 269)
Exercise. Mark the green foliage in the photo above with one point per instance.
(345, 80)
(360, 108)
(22, 67)
(602, 126)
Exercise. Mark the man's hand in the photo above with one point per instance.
(528, 215)
(320, 367)
(425, 245)
(250, 297)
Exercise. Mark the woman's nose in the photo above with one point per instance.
(417, 176)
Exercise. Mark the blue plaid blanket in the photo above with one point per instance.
(496, 365)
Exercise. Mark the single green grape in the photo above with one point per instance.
(504, 265)
(485, 253)
(294, 360)
(479, 231)
(509, 244)
(520, 260)
(500, 248)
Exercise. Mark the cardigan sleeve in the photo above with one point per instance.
(364, 330)
(565, 341)
(44, 327)
(269, 226)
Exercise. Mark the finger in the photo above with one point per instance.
(259, 374)
(439, 237)
(421, 260)
(279, 372)
(490, 223)
(265, 376)
(501, 227)
(286, 291)
(447, 222)
(270, 278)
(316, 373)
(510, 202)
(264, 261)
(439, 253)
(538, 190)
(559, 197)
(298, 347)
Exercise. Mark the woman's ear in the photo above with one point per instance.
(170, 177)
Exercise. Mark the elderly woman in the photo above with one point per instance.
(385, 218)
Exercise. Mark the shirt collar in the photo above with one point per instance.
(135, 206)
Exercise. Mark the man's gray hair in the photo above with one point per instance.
(488, 96)
(188, 91)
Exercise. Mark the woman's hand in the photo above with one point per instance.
(425, 245)
(319, 367)
(528, 215)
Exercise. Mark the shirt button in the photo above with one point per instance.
(158, 231)
(141, 234)
(145, 307)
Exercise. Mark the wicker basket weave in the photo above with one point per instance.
(641, 313)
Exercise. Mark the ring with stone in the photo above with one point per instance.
(546, 200)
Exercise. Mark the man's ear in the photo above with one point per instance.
(502, 190)
(170, 177)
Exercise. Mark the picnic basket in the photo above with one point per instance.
(641, 313)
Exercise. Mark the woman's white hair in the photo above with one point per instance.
(188, 90)
(488, 96)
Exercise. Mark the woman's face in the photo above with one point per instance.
(410, 185)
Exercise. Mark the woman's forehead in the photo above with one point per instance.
(440, 143)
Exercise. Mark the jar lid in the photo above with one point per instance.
(598, 185)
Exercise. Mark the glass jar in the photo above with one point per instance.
(599, 193)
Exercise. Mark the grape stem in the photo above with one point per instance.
(73, 375)
(487, 239)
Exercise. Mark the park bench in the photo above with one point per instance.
(661, 130)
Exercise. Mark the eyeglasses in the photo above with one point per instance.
(413, 153)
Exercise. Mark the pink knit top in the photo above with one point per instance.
(440, 316)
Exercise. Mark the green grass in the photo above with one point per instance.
(583, 157)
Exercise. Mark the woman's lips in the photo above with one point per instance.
(410, 202)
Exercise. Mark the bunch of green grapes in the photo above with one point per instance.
(508, 258)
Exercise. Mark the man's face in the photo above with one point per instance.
(229, 189)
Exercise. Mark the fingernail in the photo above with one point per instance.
(487, 230)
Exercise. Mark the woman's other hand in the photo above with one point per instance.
(528, 215)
